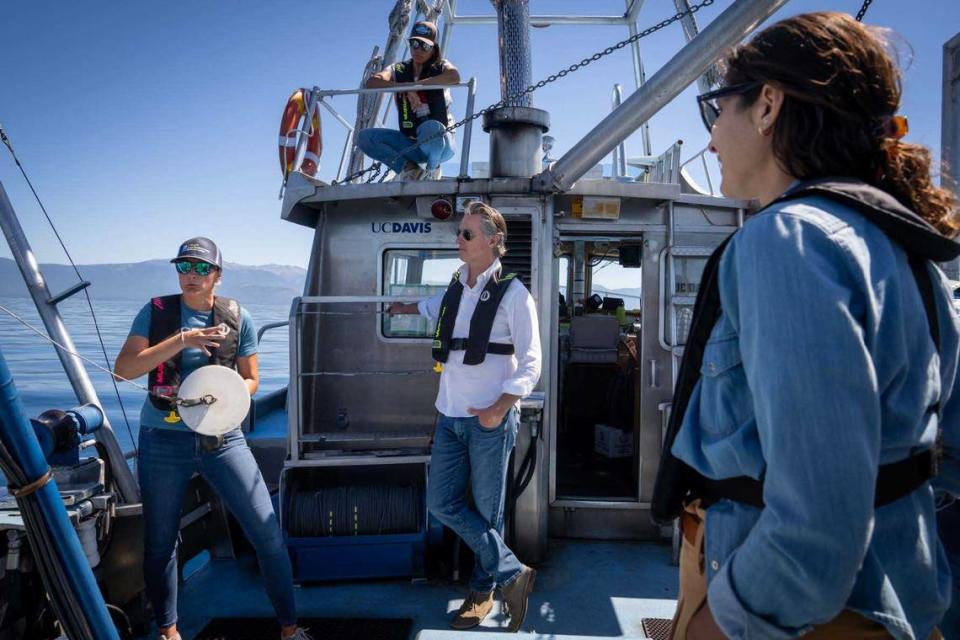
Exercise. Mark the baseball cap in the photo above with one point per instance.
(200, 249)
(425, 32)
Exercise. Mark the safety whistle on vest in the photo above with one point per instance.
(173, 418)
(437, 367)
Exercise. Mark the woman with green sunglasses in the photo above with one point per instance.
(171, 337)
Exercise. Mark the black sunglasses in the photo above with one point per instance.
(200, 268)
(710, 110)
(420, 44)
(466, 233)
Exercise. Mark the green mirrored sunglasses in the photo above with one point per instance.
(200, 268)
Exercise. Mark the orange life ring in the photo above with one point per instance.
(293, 114)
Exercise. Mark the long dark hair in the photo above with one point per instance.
(842, 87)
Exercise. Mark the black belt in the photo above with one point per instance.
(894, 481)
(499, 348)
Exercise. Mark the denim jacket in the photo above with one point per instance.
(820, 369)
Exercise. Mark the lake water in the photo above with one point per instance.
(42, 384)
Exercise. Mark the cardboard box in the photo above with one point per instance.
(611, 442)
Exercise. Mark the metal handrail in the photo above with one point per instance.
(619, 151)
(702, 156)
(268, 326)
(318, 95)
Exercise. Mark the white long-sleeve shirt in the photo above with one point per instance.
(478, 386)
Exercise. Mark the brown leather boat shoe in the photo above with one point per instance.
(515, 596)
(476, 606)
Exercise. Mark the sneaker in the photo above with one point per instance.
(515, 596)
(299, 634)
(412, 174)
(476, 606)
(432, 174)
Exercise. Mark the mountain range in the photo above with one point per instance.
(267, 284)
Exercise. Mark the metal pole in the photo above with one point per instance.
(72, 365)
(448, 11)
(691, 61)
(619, 151)
(633, 8)
(468, 130)
(950, 129)
(547, 20)
(303, 136)
(639, 75)
(77, 600)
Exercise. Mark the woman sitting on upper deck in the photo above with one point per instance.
(823, 356)
(423, 115)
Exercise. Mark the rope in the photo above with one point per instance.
(33, 487)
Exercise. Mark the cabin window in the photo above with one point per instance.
(609, 279)
(414, 274)
(686, 274)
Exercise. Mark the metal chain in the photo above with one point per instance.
(863, 10)
(377, 166)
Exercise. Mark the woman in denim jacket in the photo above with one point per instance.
(820, 370)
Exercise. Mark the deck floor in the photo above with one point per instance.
(584, 589)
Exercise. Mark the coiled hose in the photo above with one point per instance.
(356, 511)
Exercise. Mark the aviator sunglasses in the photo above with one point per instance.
(467, 234)
(420, 44)
(200, 268)
(710, 110)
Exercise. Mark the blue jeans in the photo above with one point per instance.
(384, 144)
(464, 451)
(167, 461)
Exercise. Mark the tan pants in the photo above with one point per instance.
(693, 590)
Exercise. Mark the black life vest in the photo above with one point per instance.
(477, 344)
(436, 100)
(677, 482)
(165, 322)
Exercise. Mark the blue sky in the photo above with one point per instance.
(143, 124)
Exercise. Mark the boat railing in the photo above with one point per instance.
(664, 168)
(268, 326)
(690, 180)
(318, 96)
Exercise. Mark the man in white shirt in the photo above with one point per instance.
(488, 340)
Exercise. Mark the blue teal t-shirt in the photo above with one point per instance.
(190, 359)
